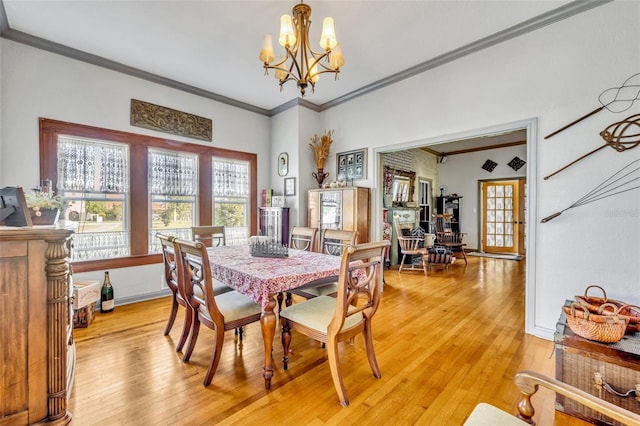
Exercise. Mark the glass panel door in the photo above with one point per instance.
(500, 222)
(330, 210)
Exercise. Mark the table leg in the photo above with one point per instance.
(268, 327)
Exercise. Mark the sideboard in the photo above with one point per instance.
(38, 356)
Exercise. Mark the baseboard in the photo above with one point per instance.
(140, 297)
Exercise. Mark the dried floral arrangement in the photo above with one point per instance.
(320, 145)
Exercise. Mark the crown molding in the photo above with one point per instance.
(540, 21)
(548, 18)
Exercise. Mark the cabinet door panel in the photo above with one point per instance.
(14, 334)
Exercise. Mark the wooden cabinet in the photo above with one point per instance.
(340, 208)
(274, 223)
(450, 205)
(37, 356)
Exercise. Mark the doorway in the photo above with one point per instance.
(503, 221)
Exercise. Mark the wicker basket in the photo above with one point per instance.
(601, 328)
(625, 310)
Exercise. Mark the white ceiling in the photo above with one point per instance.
(213, 45)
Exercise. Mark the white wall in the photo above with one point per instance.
(290, 133)
(37, 84)
(555, 75)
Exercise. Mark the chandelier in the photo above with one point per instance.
(301, 63)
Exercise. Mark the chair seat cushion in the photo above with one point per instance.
(488, 415)
(317, 313)
(233, 306)
(321, 290)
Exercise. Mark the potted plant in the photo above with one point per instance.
(45, 207)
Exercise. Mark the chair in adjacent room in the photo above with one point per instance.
(413, 246)
(219, 312)
(211, 236)
(335, 319)
(333, 242)
(446, 236)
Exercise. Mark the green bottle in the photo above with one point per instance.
(106, 297)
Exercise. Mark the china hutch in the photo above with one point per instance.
(340, 208)
(450, 206)
(274, 224)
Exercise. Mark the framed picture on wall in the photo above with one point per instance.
(289, 186)
(352, 164)
(283, 164)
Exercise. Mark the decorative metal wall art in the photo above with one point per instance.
(489, 165)
(625, 179)
(615, 99)
(620, 136)
(352, 164)
(163, 119)
(516, 163)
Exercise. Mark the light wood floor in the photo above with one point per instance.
(444, 343)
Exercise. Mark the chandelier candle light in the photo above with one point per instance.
(301, 63)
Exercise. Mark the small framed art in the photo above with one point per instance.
(283, 164)
(290, 186)
(352, 164)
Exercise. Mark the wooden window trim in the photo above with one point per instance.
(139, 193)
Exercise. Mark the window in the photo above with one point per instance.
(117, 194)
(93, 176)
(424, 191)
(231, 198)
(173, 186)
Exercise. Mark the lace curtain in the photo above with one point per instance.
(90, 166)
(172, 173)
(230, 178)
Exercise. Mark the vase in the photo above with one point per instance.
(46, 217)
(320, 176)
(387, 200)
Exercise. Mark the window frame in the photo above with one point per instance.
(138, 182)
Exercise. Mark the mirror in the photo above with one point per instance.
(403, 187)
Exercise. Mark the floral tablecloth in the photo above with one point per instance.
(260, 277)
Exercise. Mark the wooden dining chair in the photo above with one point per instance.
(219, 312)
(333, 242)
(303, 238)
(172, 280)
(211, 236)
(335, 319)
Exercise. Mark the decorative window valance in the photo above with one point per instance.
(230, 178)
(172, 173)
(92, 166)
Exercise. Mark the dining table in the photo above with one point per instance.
(262, 279)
